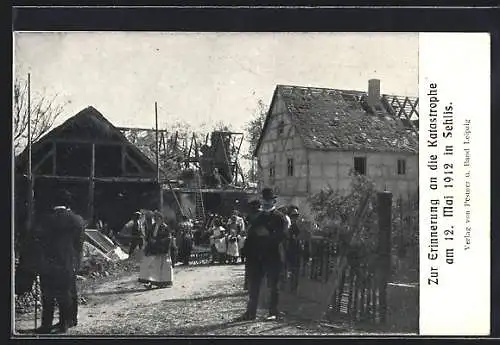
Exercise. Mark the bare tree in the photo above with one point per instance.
(44, 112)
(221, 126)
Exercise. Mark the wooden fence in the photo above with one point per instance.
(350, 284)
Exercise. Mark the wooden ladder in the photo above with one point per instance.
(199, 206)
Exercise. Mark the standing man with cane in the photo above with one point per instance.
(60, 242)
(265, 254)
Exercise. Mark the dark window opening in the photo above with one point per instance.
(360, 165)
(272, 171)
(73, 159)
(401, 167)
(108, 161)
(281, 128)
(290, 166)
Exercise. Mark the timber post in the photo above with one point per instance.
(91, 186)
(158, 181)
(29, 219)
(384, 210)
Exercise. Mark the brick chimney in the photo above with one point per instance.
(373, 92)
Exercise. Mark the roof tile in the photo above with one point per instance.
(330, 119)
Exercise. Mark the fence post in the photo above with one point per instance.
(384, 208)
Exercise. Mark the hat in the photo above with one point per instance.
(63, 197)
(268, 194)
(294, 212)
(254, 203)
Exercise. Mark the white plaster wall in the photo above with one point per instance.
(333, 168)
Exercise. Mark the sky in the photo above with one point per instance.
(204, 78)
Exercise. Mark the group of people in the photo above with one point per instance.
(266, 241)
(227, 239)
(162, 245)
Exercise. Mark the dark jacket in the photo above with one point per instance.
(161, 243)
(54, 248)
(265, 238)
(62, 237)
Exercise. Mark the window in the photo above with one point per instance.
(401, 167)
(272, 170)
(290, 166)
(360, 165)
(281, 128)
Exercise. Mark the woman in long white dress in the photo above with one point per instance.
(232, 246)
(156, 266)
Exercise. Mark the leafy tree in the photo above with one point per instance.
(253, 130)
(254, 127)
(44, 113)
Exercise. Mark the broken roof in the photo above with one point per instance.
(87, 125)
(331, 119)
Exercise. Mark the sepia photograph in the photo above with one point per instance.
(215, 184)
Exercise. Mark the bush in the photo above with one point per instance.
(335, 213)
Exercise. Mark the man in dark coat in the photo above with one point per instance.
(60, 237)
(265, 254)
(254, 206)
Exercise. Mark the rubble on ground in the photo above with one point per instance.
(95, 265)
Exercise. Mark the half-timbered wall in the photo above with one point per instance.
(277, 147)
(332, 169)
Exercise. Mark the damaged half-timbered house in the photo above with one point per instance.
(315, 138)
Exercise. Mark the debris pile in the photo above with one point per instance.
(26, 303)
(95, 264)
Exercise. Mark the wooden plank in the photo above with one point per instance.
(64, 178)
(41, 161)
(88, 142)
(139, 129)
(126, 179)
(99, 179)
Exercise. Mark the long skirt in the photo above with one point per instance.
(157, 270)
(232, 249)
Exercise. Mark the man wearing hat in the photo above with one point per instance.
(264, 254)
(137, 232)
(60, 237)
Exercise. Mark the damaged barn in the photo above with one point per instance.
(107, 176)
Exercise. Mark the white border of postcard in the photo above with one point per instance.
(454, 153)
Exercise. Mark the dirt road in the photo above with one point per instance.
(204, 300)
